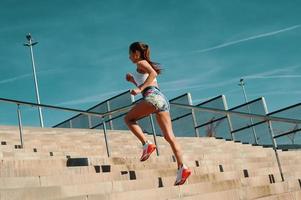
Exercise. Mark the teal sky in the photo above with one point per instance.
(204, 46)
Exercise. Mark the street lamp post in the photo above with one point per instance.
(242, 84)
(30, 44)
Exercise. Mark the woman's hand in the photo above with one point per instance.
(129, 77)
(136, 91)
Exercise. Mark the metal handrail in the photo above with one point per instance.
(95, 106)
(89, 113)
(247, 115)
(265, 118)
(52, 107)
(200, 108)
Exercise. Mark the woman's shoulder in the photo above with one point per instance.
(143, 65)
(142, 62)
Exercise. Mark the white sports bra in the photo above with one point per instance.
(141, 78)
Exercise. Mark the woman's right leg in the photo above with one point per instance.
(140, 110)
(164, 121)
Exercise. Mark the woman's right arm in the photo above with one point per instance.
(129, 77)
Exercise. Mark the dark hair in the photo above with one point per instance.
(145, 54)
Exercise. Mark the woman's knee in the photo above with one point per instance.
(169, 138)
(128, 120)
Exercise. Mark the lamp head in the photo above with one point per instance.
(28, 36)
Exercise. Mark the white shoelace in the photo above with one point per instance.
(146, 144)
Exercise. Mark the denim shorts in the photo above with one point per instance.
(154, 96)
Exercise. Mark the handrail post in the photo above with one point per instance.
(154, 133)
(228, 118)
(230, 127)
(20, 125)
(194, 121)
(105, 135)
(110, 116)
(89, 121)
(196, 130)
(275, 148)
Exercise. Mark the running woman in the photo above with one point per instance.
(153, 101)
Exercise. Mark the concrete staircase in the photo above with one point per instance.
(72, 164)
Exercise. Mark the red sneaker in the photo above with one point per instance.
(182, 174)
(148, 149)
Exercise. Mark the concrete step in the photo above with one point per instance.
(194, 191)
(294, 195)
